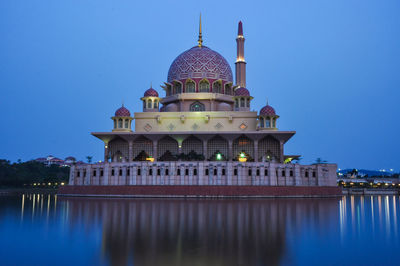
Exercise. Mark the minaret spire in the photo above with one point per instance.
(200, 40)
(240, 62)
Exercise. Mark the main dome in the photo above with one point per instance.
(200, 62)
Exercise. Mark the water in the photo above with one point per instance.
(38, 229)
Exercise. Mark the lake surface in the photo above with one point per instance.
(40, 229)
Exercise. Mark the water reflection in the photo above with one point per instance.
(372, 215)
(197, 232)
(213, 231)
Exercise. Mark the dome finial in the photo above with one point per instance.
(200, 40)
(151, 84)
(122, 103)
(267, 100)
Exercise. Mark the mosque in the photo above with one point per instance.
(200, 139)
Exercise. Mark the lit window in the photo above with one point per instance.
(267, 122)
(228, 89)
(204, 86)
(177, 87)
(190, 86)
(241, 102)
(197, 107)
(217, 87)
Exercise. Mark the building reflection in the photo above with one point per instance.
(197, 232)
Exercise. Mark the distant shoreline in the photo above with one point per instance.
(17, 191)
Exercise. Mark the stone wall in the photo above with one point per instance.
(203, 173)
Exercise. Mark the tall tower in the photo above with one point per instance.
(240, 62)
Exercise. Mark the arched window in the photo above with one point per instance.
(155, 104)
(217, 87)
(144, 104)
(169, 90)
(177, 87)
(228, 89)
(267, 122)
(248, 102)
(237, 103)
(241, 102)
(115, 123)
(120, 123)
(149, 103)
(126, 123)
(190, 86)
(274, 123)
(197, 107)
(261, 122)
(204, 86)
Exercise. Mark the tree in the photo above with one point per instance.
(89, 159)
(320, 161)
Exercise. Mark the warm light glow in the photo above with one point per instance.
(219, 156)
(150, 159)
(106, 146)
(49, 184)
(62, 183)
(34, 184)
(242, 160)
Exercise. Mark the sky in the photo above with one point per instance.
(329, 68)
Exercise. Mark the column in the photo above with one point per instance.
(106, 176)
(230, 150)
(105, 151)
(229, 173)
(205, 150)
(272, 175)
(122, 178)
(256, 150)
(130, 151)
(297, 175)
(155, 155)
(88, 174)
(133, 173)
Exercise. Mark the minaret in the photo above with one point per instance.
(240, 63)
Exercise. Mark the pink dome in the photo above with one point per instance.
(200, 62)
(122, 111)
(267, 110)
(242, 92)
(151, 93)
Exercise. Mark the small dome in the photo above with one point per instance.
(267, 110)
(172, 107)
(242, 92)
(122, 111)
(224, 107)
(151, 93)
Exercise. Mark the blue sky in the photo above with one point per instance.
(329, 68)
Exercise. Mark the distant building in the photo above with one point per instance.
(51, 160)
